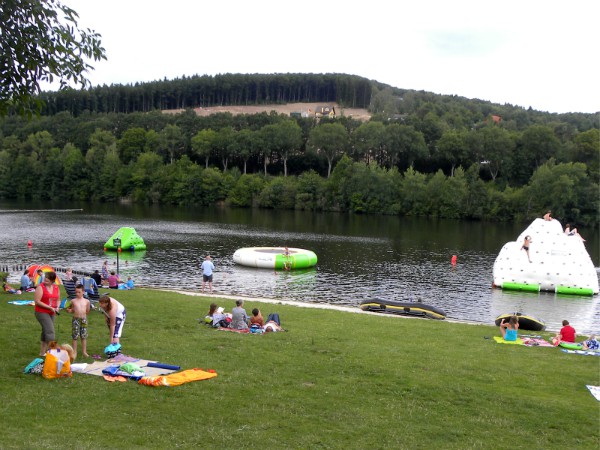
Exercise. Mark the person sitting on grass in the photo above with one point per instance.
(567, 333)
(509, 330)
(215, 316)
(239, 317)
(257, 318)
(26, 282)
(113, 280)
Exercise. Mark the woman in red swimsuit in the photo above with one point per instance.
(47, 300)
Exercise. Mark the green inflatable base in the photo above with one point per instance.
(521, 287)
(574, 290)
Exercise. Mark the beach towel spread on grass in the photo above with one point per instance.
(528, 342)
(500, 340)
(178, 378)
(22, 302)
(97, 367)
(595, 391)
(581, 352)
(234, 330)
(536, 342)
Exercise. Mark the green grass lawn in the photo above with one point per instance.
(333, 380)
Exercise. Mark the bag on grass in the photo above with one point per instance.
(57, 364)
(36, 366)
(112, 350)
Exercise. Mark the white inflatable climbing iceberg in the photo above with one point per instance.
(559, 263)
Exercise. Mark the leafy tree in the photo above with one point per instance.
(413, 194)
(226, 145)
(106, 190)
(587, 150)
(246, 190)
(41, 40)
(131, 144)
(12, 145)
(153, 142)
(338, 183)
(6, 183)
(497, 148)
(566, 189)
(329, 139)
(432, 128)
(539, 144)
(408, 145)
(173, 141)
(310, 192)
(284, 138)
(173, 181)
(248, 143)
(368, 140)
(38, 145)
(477, 200)
(452, 148)
(213, 186)
(384, 102)
(280, 193)
(203, 144)
(372, 189)
(74, 173)
(101, 143)
(50, 183)
(144, 174)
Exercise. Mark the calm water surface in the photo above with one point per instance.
(359, 257)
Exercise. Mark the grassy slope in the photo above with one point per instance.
(334, 380)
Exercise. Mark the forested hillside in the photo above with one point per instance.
(420, 154)
(205, 91)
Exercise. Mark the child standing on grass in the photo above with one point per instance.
(80, 308)
(509, 330)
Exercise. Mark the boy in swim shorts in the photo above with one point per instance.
(80, 308)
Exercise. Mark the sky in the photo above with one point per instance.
(530, 53)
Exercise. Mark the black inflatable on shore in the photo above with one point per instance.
(417, 309)
(526, 322)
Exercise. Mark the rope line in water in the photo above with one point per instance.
(22, 267)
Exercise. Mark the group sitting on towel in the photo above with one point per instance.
(239, 320)
(568, 334)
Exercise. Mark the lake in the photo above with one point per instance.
(360, 257)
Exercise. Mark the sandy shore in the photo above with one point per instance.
(349, 309)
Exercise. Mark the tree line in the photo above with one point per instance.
(206, 90)
(404, 165)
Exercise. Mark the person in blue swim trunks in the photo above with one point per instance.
(591, 344)
(509, 330)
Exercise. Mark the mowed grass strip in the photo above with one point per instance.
(333, 380)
